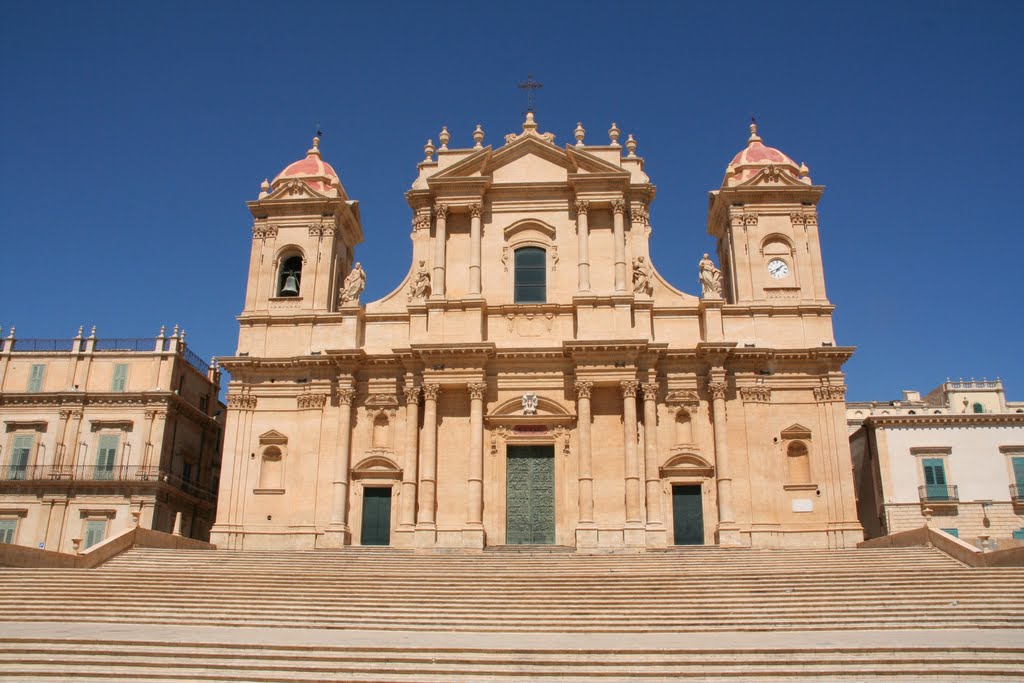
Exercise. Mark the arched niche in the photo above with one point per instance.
(273, 452)
(797, 447)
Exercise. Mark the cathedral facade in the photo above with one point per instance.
(534, 380)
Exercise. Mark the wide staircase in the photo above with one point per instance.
(382, 614)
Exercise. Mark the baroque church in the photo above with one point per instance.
(533, 379)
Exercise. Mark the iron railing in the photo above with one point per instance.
(125, 344)
(938, 493)
(100, 473)
(1017, 493)
(44, 344)
(195, 361)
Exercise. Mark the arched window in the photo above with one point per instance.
(798, 463)
(531, 276)
(290, 277)
(978, 408)
(271, 468)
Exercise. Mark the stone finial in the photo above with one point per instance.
(529, 124)
(182, 335)
(478, 137)
(315, 149)
(730, 171)
(174, 332)
(92, 332)
(580, 134)
(80, 328)
(10, 334)
(613, 134)
(264, 188)
(631, 145)
(429, 150)
(804, 171)
(444, 136)
(753, 131)
(163, 331)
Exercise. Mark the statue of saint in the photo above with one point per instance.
(710, 278)
(354, 285)
(420, 287)
(641, 276)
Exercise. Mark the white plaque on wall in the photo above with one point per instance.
(803, 505)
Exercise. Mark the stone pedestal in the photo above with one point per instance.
(729, 537)
(335, 537)
(586, 537)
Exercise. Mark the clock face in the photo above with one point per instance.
(777, 268)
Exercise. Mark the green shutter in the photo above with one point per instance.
(106, 457)
(935, 479)
(95, 530)
(1018, 471)
(120, 377)
(7, 527)
(35, 379)
(978, 408)
(20, 451)
(1019, 534)
(955, 533)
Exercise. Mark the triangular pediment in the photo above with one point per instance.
(585, 162)
(796, 431)
(294, 189)
(273, 437)
(773, 176)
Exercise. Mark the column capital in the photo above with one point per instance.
(421, 221)
(346, 396)
(582, 206)
(476, 210)
(629, 388)
(618, 206)
(441, 210)
(430, 391)
(477, 390)
(412, 395)
(583, 388)
(650, 390)
(717, 389)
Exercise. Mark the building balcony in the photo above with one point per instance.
(120, 477)
(938, 494)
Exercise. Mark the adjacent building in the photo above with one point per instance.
(102, 434)
(534, 379)
(954, 456)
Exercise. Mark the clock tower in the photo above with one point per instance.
(765, 220)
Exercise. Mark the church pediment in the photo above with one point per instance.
(273, 437)
(531, 408)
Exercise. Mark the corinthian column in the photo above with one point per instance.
(411, 468)
(722, 470)
(618, 209)
(583, 248)
(586, 502)
(629, 435)
(440, 244)
(428, 457)
(475, 506)
(339, 487)
(474, 248)
(653, 488)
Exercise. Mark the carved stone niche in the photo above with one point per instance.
(684, 406)
(381, 410)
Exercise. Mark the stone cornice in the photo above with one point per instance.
(961, 420)
(235, 363)
(81, 400)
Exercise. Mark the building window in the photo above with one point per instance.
(120, 382)
(290, 277)
(531, 275)
(105, 457)
(17, 466)
(935, 479)
(978, 408)
(7, 529)
(35, 378)
(95, 531)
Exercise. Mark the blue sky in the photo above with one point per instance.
(131, 135)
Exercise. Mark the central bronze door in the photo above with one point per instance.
(530, 495)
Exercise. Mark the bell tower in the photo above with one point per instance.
(305, 229)
(765, 221)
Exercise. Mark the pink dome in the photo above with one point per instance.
(312, 170)
(754, 157)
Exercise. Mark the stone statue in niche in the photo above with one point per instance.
(529, 404)
(420, 287)
(641, 276)
(354, 285)
(710, 278)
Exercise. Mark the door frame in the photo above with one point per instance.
(528, 441)
(391, 513)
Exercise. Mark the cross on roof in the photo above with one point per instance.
(530, 86)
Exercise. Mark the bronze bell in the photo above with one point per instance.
(291, 286)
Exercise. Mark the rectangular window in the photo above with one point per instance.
(120, 377)
(106, 456)
(95, 531)
(935, 479)
(955, 533)
(17, 466)
(7, 529)
(1018, 470)
(530, 275)
(35, 378)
